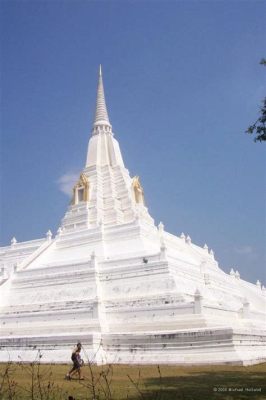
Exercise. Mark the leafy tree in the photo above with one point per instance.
(259, 127)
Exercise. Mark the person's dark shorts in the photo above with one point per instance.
(76, 364)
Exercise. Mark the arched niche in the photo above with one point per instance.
(138, 191)
(81, 190)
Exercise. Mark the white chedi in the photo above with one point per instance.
(130, 291)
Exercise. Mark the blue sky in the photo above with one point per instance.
(182, 83)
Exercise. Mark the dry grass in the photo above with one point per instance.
(119, 382)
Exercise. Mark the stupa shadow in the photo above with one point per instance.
(240, 385)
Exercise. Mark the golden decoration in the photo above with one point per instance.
(138, 190)
(82, 185)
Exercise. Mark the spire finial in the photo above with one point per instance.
(101, 120)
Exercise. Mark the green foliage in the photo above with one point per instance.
(259, 127)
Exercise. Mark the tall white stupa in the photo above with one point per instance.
(128, 290)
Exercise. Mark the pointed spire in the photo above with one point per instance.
(188, 239)
(101, 115)
(13, 241)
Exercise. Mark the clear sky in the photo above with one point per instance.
(182, 83)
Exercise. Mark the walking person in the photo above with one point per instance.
(77, 363)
